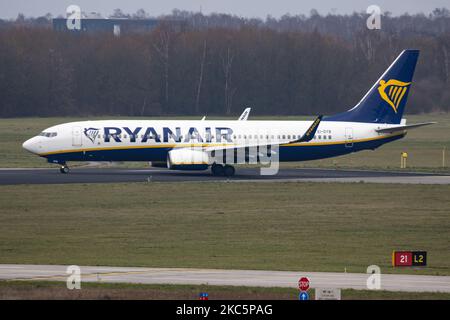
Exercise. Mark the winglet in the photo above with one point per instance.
(245, 114)
(309, 134)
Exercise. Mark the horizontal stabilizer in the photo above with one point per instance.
(405, 127)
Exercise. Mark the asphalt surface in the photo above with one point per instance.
(287, 279)
(110, 175)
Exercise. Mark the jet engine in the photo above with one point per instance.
(187, 159)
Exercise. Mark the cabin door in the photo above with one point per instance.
(76, 137)
(348, 137)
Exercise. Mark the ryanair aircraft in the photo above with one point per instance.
(198, 145)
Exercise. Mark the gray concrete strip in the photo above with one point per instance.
(254, 278)
(398, 180)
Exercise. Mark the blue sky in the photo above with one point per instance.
(247, 8)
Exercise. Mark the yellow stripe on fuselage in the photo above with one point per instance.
(203, 145)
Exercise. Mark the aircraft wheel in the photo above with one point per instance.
(64, 169)
(228, 171)
(217, 169)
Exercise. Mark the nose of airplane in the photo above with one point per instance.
(31, 145)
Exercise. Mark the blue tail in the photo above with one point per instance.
(386, 100)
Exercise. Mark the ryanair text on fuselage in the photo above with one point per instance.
(207, 135)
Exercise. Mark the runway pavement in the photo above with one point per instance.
(111, 175)
(288, 279)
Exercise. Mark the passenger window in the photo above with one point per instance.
(329, 137)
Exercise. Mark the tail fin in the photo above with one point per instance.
(386, 100)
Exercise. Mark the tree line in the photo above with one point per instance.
(320, 64)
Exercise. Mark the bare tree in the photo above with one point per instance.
(200, 78)
(163, 49)
(446, 62)
(227, 63)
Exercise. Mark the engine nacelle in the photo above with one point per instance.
(187, 159)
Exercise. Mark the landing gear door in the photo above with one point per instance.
(76, 137)
(349, 137)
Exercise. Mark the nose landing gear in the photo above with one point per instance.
(220, 170)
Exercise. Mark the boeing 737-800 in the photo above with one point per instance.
(194, 145)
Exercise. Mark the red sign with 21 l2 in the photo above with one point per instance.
(409, 258)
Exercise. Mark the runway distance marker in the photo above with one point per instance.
(409, 258)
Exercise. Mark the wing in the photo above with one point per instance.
(308, 135)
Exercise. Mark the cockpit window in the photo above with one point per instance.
(48, 134)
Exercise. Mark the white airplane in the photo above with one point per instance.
(194, 145)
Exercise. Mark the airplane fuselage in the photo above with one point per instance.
(151, 140)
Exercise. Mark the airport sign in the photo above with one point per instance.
(328, 294)
(303, 284)
(303, 296)
(409, 258)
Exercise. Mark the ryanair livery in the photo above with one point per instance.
(198, 145)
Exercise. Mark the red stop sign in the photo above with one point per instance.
(303, 284)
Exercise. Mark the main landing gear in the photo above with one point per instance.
(220, 170)
(64, 169)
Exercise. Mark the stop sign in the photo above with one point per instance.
(303, 284)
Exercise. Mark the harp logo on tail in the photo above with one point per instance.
(393, 91)
(91, 133)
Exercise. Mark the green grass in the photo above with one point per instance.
(58, 290)
(424, 145)
(272, 226)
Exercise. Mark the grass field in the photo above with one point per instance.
(424, 145)
(58, 290)
(273, 226)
